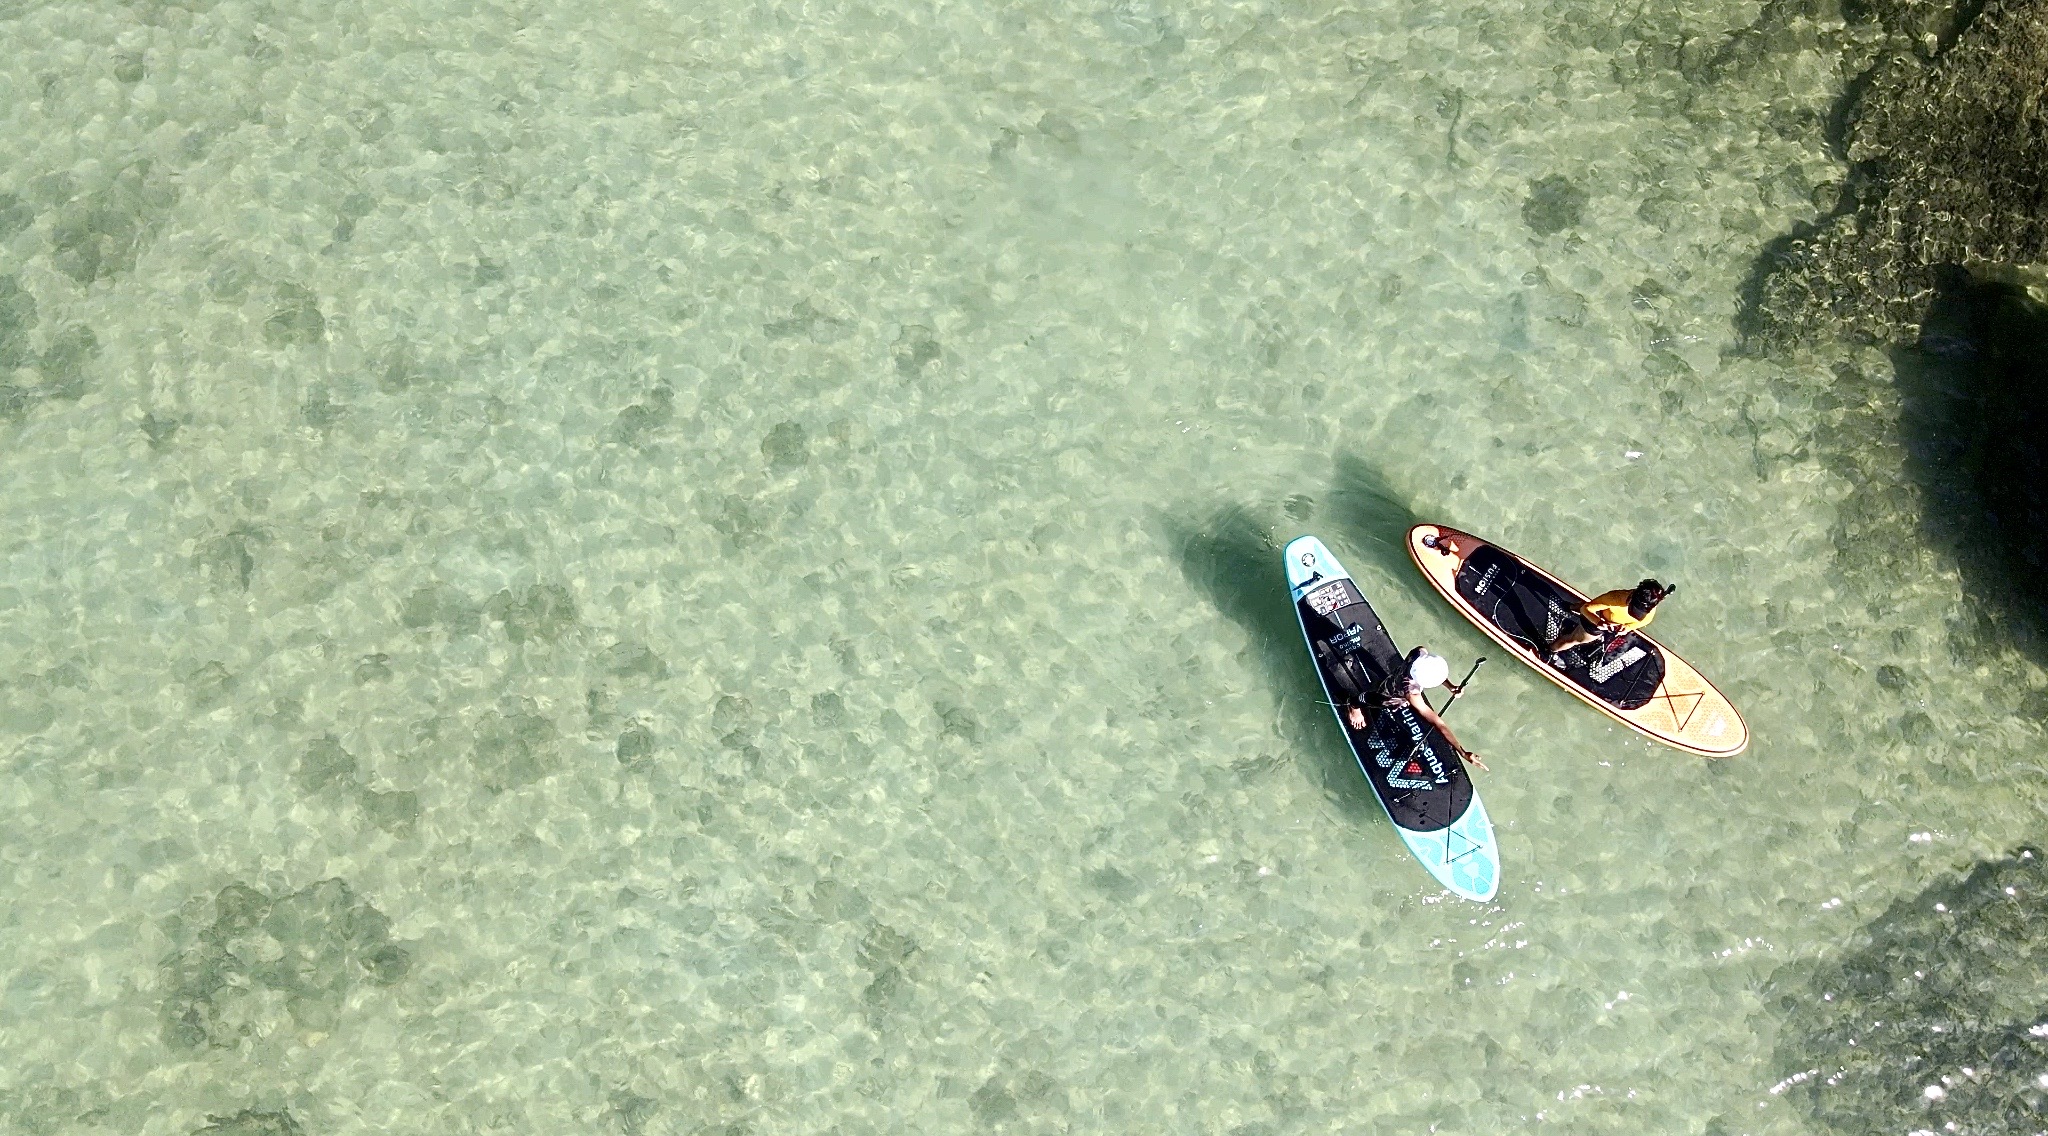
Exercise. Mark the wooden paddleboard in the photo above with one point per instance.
(1640, 684)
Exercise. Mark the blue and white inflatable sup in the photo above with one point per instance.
(1412, 768)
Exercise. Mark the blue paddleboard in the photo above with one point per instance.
(1412, 768)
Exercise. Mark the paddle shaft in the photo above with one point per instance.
(1461, 685)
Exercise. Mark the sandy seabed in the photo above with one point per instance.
(676, 571)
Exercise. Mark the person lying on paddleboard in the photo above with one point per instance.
(1607, 615)
(1404, 687)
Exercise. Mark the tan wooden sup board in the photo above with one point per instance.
(1520, 606)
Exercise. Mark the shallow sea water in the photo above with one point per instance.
(745, 542)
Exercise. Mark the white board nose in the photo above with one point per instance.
(1308, 562)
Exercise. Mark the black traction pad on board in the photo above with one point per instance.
(1521, 601)
(1409, 763)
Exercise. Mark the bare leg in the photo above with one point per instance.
(1578, 636)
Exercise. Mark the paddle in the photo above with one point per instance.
(1462, 685)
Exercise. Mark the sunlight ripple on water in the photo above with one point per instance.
(664, 570)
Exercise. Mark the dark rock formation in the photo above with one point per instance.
(250, 1122)
(534, 613)
(515, 749)
(1931, 247)
(1554, 204)
(1948, 143)
(1929, 1021)
(312, 947)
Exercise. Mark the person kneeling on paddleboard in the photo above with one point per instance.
(1607, 615)
(1422, 671)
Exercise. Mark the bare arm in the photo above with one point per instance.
(1423, 711)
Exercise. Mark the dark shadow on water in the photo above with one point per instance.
(1370, 520)
(1232, 557)
(1231, 554)
(1975, 424)
(1952, 979)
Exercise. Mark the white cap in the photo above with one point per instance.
(1429, 670)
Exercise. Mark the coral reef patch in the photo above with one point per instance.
(264, 960)
(1948, 140)
(1929, 1022)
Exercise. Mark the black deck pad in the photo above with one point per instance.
(1409, 763)
(1522, 602)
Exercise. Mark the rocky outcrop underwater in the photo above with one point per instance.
(1946, 133)
(1930, 1020)
(1937, 248)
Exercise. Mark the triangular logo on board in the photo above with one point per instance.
(1453, 838)
(1671, 704)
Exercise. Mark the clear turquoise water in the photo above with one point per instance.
(746, 540)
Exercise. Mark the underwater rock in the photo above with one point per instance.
(96, 240)
(2011, 462)
(635, 745)
(63, 364)
(62, 371)
(230, 559)
(15, 215)
(354, 208)
(250, 1122)
(631, 1112)
(515, 749)
(1975, 417)
(956, 721)
(847, 437)
(732, 713)
(835, 902)
(538, 612)
(916, 348)
(885, 954)
(1554, 204)
(400, 369)
(1923, 23)
(395, 812)
(17, 320)
(805, 320)
(1930, 1021)
(228, 281)
(440, 605)
(1946, 171)
(209, 685)
(326, 765)
(296, 318)
(160, 429)
(628, 659)
(739, 520)
(308, 949)
(320, 412)
(786, 447)
(828, 709)
(1008, 1092)
(638, 422)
